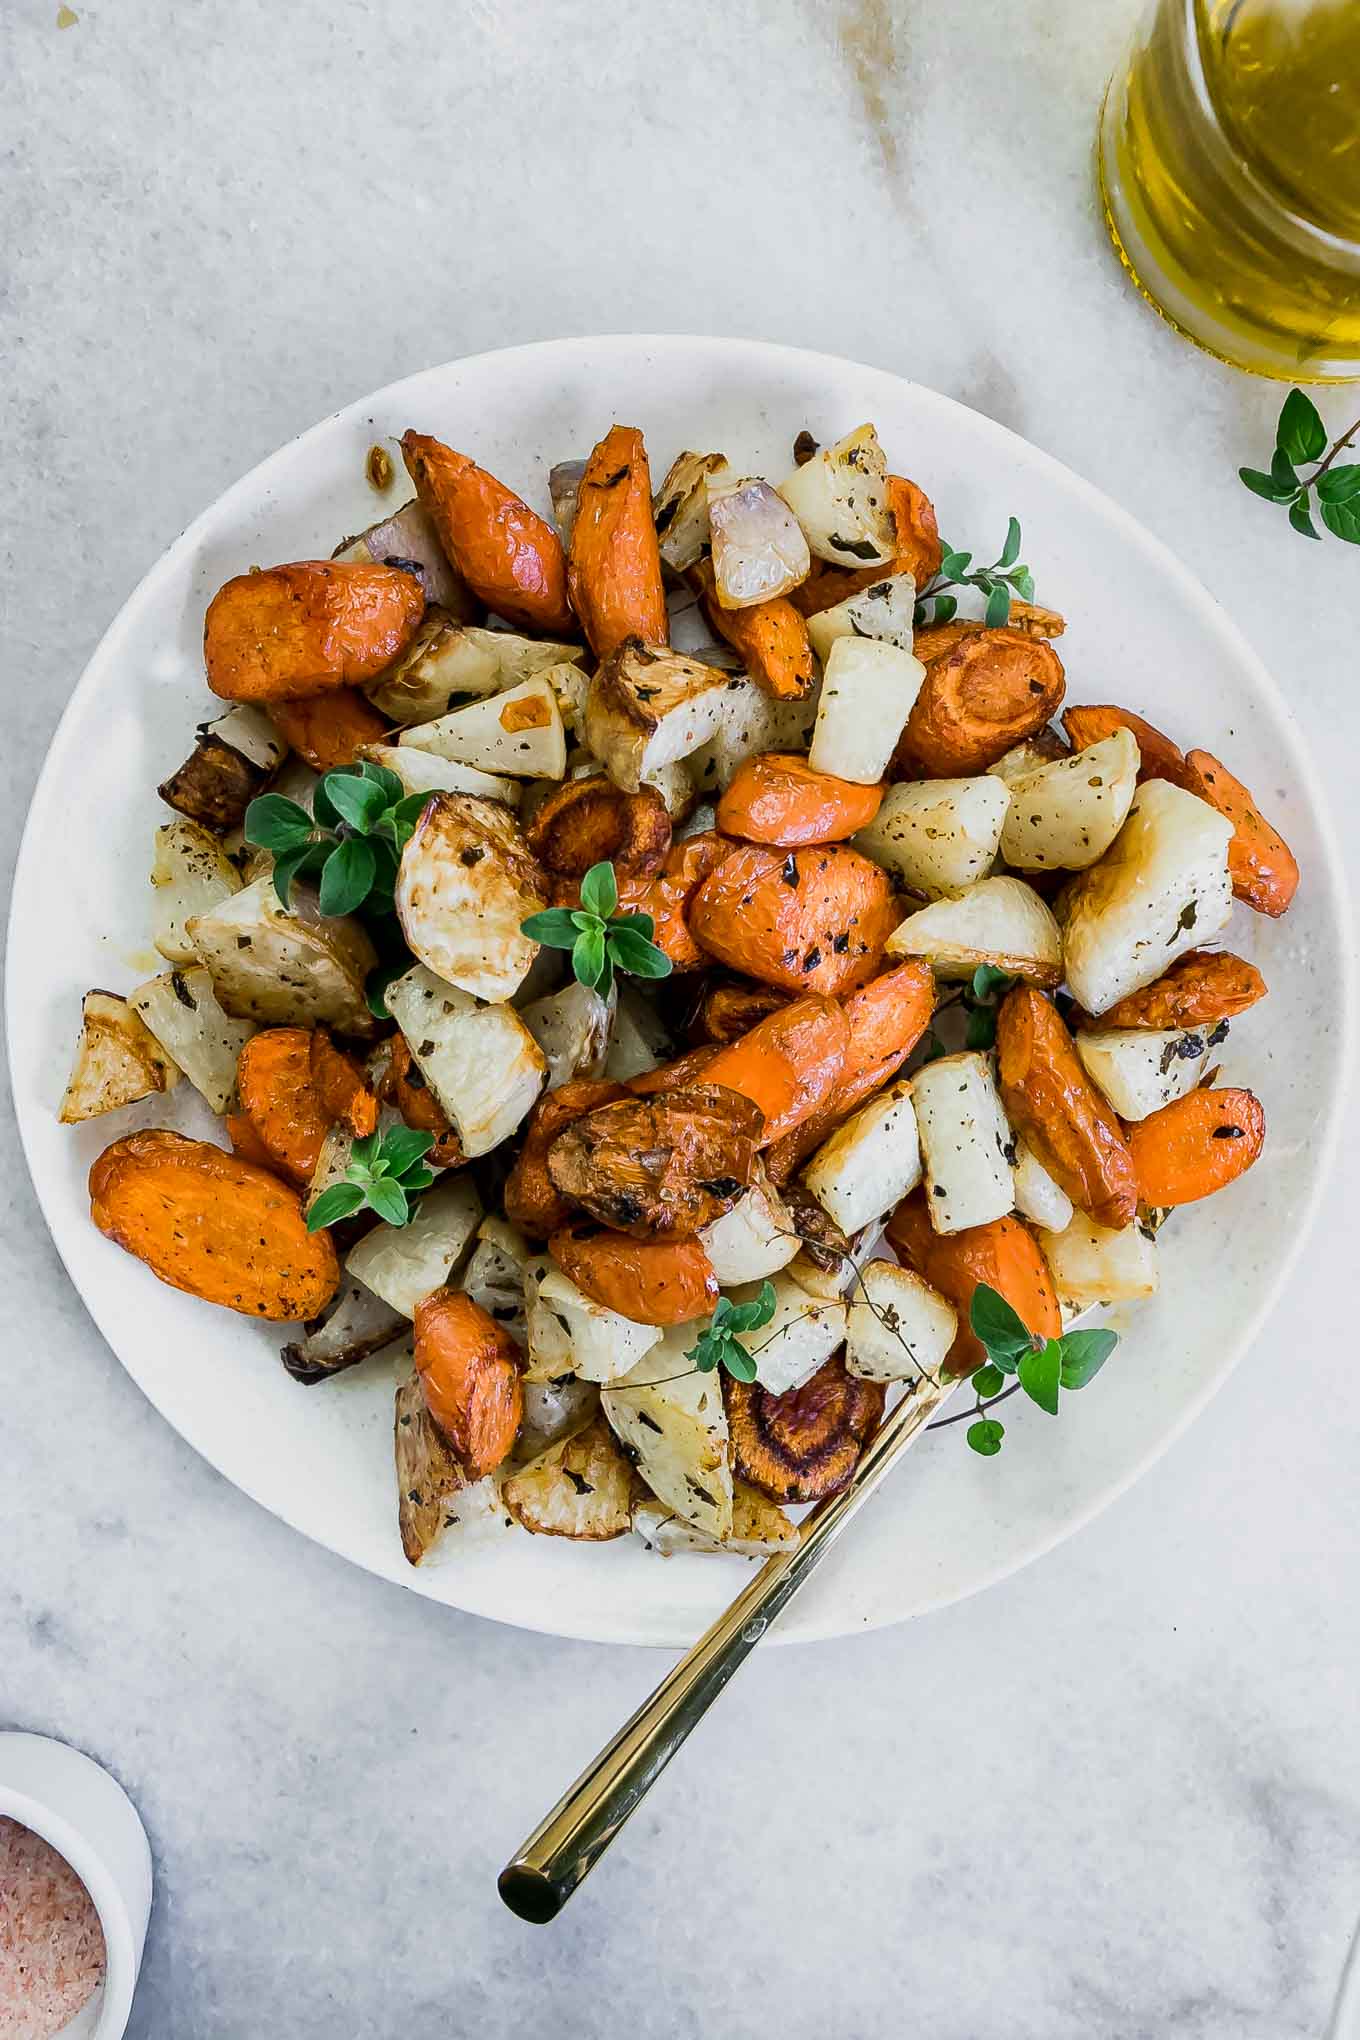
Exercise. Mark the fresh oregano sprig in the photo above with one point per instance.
(384, 1172)
(1301, 439)
(980, 999)
(1041, 1367)
(361, 820)
(601, 939)
(1005, 577)
(719, 1344)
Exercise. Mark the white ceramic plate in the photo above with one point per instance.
(1141, 631)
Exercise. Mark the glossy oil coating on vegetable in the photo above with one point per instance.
(614, 569)
(789, 1064)
(1201, 988)
(532, 1199)
(805, 1444)
(469, 1370)
(1196, 1146)
(206, 1222)
(295, 1084)
(291, 632)
(984, 691)
(1261, 864)
(653, 1282)
(778, 799)
(507, 554)
(329, 729)
(661, 1166)
(812, 920)
(1051, 1100)
(884, 1021)
(592, 821)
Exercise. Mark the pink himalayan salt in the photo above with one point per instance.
(51, 1942)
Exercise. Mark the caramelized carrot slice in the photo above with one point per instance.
(209, 1223)
(1004, 1254)
(807, 921)
(918, 554)
(1262, 865)
(469, 1370)
(1196, 1145)
(1159, 757)
(805, 1444)
(614, 572)
(1051, 1100)
(984, 691)
(505, 552)
(533, 1201)
(779, 799)
(1201, 988)
(884, 1019)
(592, 821)
(291, 1111)
(309, 628)
(403, 1086)
(770, 636)
(246, 1143)
(653, 1282)
(788, 1064)
(330, 729)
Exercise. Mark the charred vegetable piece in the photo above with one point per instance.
(353, 1325)
(809, 921)
(1196, 1146)
(1051, 1100)
(582, 1488)
(469, 1370)
(1201, 988)
(118, 1060)
(205, 1222)
(227, 767)
(614, 572)
(591, 821)
(507, 554)
(727, 1011)
(429, 1477)
(1159, 758)
(805, 1444)
(663, 1165)
(532, 1200)
(309, 628)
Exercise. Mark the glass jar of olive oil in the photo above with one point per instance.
(1229, 162)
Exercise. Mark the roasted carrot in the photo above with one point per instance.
(1261, 864)
(662, 1167)
(532, 1200)
(1051, 1100)
(918, 554)
(653, 1282)
(984, 691)
(505, 552)
(469, 1370)
(811, 920)
(1196, 1145)
(1004, 1254)
(592, 821)
(246, 1143)
(1201, 988)
(329, 729)
(288, 633)
(771, 637)
(779, 799)
(884, 1021)
(690, 861)
(728, 1010)
(672, 1076)
(614, 570)
(1159, 758)
(666, 900)
(209, 1223)
(294, 1085)
(789, 1064)
(403, 1085)
(805, 1444)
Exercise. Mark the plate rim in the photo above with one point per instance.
(1155, 551)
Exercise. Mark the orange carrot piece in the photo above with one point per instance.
(469, 1370)
(276, 1075)
(984, 691)
(1159, 758)
(918, 554)
(1196, 1145)
(1201, 988)
(788, 1064)
(330, 729)
(771, 638)
(1004, 1254)
(246, 1143)
(1261, 864)
(653, 1282)
(614, 570)
(209, 1223)
(505, 552)
(1051, 1100)
(778, 799)
(309, 628)
(809, 921)
(884, 1019)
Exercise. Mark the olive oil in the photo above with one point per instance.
(1230, 173)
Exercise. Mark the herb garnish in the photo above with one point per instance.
(997, 582)
(601, 940)
(1042, 1367)
(385, 1170)
(362, 819)
(719, 1344)
(1301, 436)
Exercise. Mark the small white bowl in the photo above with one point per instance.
(87, 1817)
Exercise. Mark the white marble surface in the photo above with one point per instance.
(1117, 1798)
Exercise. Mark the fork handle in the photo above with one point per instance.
(539, 1879)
